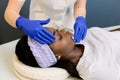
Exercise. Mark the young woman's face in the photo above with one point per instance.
(63, 43)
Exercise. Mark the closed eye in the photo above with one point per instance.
(60, 36)
(55, 32)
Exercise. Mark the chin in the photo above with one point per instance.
(71, 44)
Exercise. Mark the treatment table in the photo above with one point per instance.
(7, 50)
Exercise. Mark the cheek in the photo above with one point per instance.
(67, 46)
(70, 44)
(60, 46)
(63, 43)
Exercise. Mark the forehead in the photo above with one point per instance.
(51, 29)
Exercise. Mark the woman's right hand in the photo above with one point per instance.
(35, 29)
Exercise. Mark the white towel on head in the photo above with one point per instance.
(42, 53)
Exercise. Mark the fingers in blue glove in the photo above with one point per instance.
(80, 34)
(44, 36)
(43, 39)
(76, 33)
(47, 35)
(42, 22)
(37, 39)
(35, 27)
(80, 29)
(85, 32)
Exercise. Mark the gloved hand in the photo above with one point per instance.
(80, 29)
(35, 29)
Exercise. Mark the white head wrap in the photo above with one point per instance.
(42, 53)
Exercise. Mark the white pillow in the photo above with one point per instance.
(25, 72)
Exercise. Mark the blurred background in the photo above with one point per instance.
(101, 13)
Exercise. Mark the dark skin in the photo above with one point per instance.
(64, 46)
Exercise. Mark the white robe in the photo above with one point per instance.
(101, 57)
(60, 12)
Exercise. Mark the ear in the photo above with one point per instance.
(58, 57)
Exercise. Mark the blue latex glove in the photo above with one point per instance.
(80, 29)
(35, 29)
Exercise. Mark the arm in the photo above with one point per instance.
(34, 29)
(80, 8)
(80, 27)
(12, 11)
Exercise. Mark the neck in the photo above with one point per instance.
(77, 53)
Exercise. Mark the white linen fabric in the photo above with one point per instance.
(60, 11)
(25, 72)
(101, 57)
